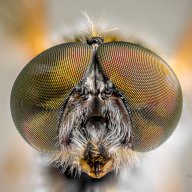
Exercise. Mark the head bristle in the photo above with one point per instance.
(112, 29)
(94, 29)
(91, 24)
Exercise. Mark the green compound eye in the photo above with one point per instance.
(150, 89)
(40, 91)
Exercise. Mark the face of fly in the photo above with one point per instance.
(95, 129)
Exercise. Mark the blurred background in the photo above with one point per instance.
(29, 27)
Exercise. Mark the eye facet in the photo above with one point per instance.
(150, 88)
(41, 89)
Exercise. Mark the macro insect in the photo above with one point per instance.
(91, 105)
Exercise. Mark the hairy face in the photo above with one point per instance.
(89, 123)
(95, 129)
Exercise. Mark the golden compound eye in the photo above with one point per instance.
(40, 91)
(151, 91)
(150, 87)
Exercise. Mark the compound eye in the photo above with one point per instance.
(150, 87)
(41, 89)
